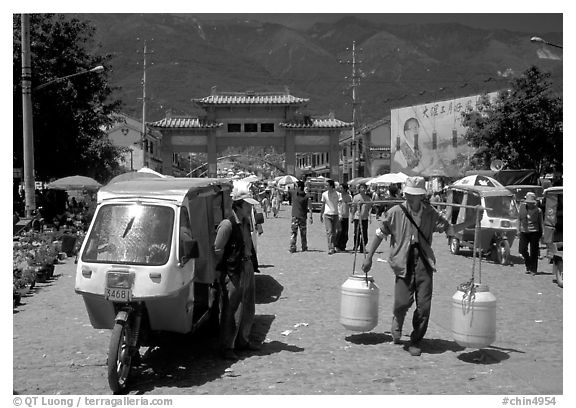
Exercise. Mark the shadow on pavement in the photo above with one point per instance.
(439, 346)
(186, 361)
(268, 289)
(265, 266)
(484, 356)
(369, 338)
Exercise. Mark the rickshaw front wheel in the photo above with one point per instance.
(119, 358)
(558, 270)
(454, 245)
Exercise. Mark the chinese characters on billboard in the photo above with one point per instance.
(428, 139)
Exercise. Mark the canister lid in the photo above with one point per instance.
(478, 287)
(362, 277)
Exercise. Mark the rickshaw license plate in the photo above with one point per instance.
(118, 294)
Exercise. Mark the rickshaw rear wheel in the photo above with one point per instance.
(558, 270)
(454, 245)
(119, 358)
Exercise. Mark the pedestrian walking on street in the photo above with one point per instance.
(301, 206)
(344, 217)
(530, 228)
(329, 214)
(265, 204)
(412, 259)
(360, 212)
(276, 200)
(233, 250)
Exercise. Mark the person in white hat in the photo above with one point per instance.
(233, 250)
(410, 226)
(530, 228)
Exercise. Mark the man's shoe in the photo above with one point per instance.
(292, 250)
(228, 354)
(414, 350)
(396, 340)
(304, 249)
(331, 252)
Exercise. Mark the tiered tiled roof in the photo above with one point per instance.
(316, 123)
(250, 98)
(184, 123)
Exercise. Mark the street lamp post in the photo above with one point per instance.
(27, 128)
(540, 40)
(99, 68)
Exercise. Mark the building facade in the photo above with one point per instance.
(141, 152)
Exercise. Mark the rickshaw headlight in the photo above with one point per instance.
(119, 280)
(505, 224)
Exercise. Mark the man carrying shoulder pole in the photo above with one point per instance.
(411, 226)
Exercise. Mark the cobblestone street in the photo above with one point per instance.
(306, 350)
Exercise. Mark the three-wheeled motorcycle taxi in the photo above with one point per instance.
(553, 231)
(147, 263)
(499, 217)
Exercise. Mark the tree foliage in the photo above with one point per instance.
(69, 115)
(522, 126)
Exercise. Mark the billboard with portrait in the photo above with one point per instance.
(428, 139)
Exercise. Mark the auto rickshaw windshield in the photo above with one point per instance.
(130, 234)
(501, 207)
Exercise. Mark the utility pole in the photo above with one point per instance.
(143, 136)
(27, 128)
(355, 82)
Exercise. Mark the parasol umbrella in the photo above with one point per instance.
(288, 179)
(389, 178)
(359, 180)
(74, 183)
(148, 170)
(477, 180)
(251, 178)
(133, 175)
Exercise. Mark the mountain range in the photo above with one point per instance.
(394, 65)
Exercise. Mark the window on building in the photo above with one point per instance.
(397, 143)
(250, 127)
(151, 146)
(434, 140)
(234, 127)
(266, 127)
(454, 138)
(416, 147)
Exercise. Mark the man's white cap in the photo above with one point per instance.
(241, 191)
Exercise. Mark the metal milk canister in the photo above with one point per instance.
(359, 303)
(474, 316)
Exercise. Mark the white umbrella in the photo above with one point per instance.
(288, 179)
(150, 171)
(389, 178)
(478, 180)
(251, 179)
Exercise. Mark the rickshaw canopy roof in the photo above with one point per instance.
(554, 190)
(170, 189)
(483, 191)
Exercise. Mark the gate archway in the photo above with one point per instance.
(251, 119)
